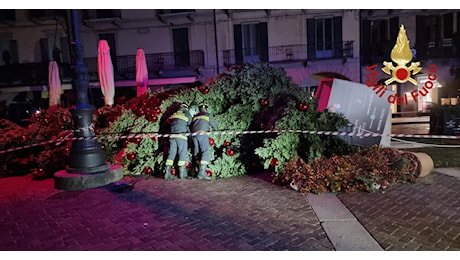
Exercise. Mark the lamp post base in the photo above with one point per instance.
(64, 180)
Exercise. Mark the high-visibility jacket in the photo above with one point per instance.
(180, 121)
(203, 121)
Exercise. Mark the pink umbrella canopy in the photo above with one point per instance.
(105, 72)
(142, 76)
(54, 82)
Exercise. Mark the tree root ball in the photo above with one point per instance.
(426, 164)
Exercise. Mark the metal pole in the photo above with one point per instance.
(86, 155)
(215, 41)
(80, 80)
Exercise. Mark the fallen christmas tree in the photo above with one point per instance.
(254, 105)
(252, 97)
(369, 169)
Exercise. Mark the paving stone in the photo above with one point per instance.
(350, 236)
(241, 213)
(430, 206)
(328, 208)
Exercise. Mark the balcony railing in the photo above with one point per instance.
(287, 53)
(125, 66)
(158, 64)
(439, 50)
(430, 50)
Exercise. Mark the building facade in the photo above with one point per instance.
(187, 47)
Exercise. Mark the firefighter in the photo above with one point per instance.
(180, 122)
(202, 123)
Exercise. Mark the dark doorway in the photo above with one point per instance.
(181, 48)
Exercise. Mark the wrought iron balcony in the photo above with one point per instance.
(444, 49)
(438, 50)
(158, 65)
(288, 53)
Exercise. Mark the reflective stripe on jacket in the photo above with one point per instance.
(203, 121)
(180, 122)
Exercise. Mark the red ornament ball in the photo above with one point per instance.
(263, 102)
(102, 147)
(188, 165)
(209, 173)
(204, 90)
(303, 106)
(173, 171)
(230, 152)
(226, 143)
(274, 162)
(131, 156)
(148, 170)
(137, 140)
(141, 112)
(211, 141)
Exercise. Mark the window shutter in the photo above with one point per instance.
(237, 36)
(14, 51)
(263, 38)
(366, 48)
(65, 50)
(311, 42)
(44, 49)
(448, 25)
(420, 39)
(394, 29)
(338, 45)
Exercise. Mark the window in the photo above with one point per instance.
(250, 39)
(47, 14)
(7, 15)
(101, 13)
(379, 31)
(251, 42)
(433, 23)
(181, 47)
(448, 25)
(324, 38)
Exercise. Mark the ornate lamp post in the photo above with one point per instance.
(86, 167)
(86, 155)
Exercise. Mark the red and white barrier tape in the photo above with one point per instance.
(335, 133)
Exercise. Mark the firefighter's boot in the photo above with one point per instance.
(168, 175)
(183, 172)
(202, 173)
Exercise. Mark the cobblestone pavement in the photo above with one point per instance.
(411, 216)
(241, 213)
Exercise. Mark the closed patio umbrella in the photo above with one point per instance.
(105, 72)
(54, 83)
(142, 76)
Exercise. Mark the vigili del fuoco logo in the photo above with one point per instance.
(401, 55)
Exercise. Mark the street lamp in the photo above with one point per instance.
(86, 166)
